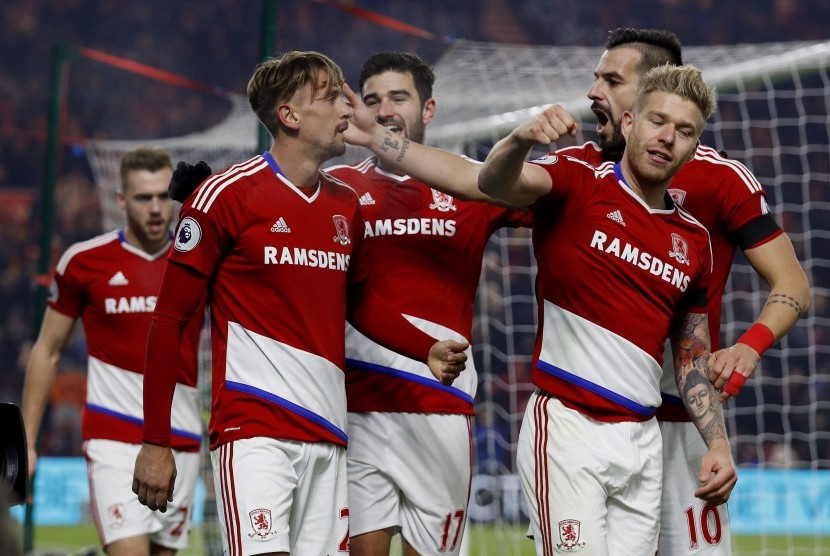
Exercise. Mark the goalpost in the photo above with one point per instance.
(774, 116)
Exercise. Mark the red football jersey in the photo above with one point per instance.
(612, 275)
(112, 286)
(424, 252)
(724, 196)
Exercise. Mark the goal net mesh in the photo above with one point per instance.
(774, 116)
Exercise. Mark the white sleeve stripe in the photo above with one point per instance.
(216, 179)
(222, 182)
(709, 155)
(83, 246)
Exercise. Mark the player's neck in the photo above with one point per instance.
(300, 169)
(146, 245)
(652, 193)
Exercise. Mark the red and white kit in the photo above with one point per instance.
(112, 287)
(612, 273)
(278, 259)
(424, 250)
(725, 197)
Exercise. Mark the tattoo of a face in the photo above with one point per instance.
(787, 300)
(691, 362)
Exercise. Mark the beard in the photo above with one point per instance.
(613, 147)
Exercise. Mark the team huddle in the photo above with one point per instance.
(323, 442)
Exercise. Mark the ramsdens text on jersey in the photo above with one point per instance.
(410, 226)
(314, 258)
(135, 304)
(643, 260)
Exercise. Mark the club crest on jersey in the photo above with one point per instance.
(188, 235)
(569, 530)
(679, 249)
(677, 195)
(442, 202)
(261, 524)
(341, 229)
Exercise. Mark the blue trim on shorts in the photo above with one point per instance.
(595, 389)
(397, 373)
(290, 406)
(137, 421)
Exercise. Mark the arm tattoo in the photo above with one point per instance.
(690, 343)
(404, 148)
(389, 142)
(787, 300)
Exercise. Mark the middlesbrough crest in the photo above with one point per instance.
(341, 229)
(679, 249)
(569, 535)
(442, 202)
(677, 195)
(261, 523)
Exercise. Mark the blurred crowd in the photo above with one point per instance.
(218, 44)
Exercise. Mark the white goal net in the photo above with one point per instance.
(774, 116)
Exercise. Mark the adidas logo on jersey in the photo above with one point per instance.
(280, 226)
(118, 279)
(616, 216)
(366, 199)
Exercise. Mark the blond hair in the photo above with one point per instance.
(277, 80)
(683, 81)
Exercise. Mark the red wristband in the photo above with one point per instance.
(759, 337)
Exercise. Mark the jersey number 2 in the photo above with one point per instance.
(711, 537)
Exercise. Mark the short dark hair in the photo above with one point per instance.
(657, 47)
(145, 157)
(402, 62)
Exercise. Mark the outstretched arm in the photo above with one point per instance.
(445, 171)
(789, 298)
(691, 349)
(506, 176)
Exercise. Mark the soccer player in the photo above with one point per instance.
(597, 230)
(636, 271)
(110, 283)
(726, 198)
(410, 437)
(276, 244)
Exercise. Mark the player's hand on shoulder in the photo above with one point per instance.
(447, 359)
(548, 126)
(154, 476)
(186, 178)
(730, 367)
(718, 474)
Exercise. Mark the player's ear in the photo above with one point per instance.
(429, 111)
(288, 116)
(626, 122)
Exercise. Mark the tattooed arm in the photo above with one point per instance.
(690, 346)
(789, 298)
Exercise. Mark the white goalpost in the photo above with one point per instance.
(773, 116)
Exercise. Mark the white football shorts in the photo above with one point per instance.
(687, 524)
(278, 495)
(411, 471)
(115, 508)
(591, 487)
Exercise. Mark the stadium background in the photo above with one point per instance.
(218, 43)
